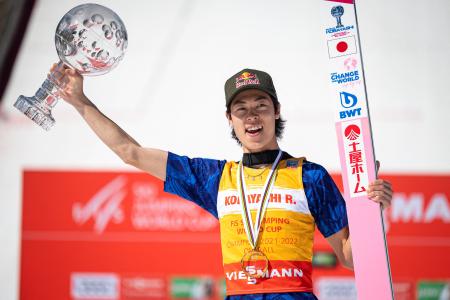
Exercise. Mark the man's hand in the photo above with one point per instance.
(71, 84)
(380, 191)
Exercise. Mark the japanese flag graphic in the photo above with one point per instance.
(341, 47)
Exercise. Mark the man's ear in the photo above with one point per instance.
(228, 116)
(277, 111)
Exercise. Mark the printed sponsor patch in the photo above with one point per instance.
(228, 201)
(355, 156)
(246, 78)
(293, 274)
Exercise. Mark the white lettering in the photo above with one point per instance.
(242, 275)
(251, 270)
(275, 273)
(231, 276)
(438, 209)
(412, 208)
(263, 274)
(286, 272)
(251, 280)
(405, 210)
(298, 273)
(283, 272)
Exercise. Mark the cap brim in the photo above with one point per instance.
(249, 87)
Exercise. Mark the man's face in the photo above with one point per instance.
(252, 116)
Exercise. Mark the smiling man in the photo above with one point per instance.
(268, 204)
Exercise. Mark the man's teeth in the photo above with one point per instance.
(254, 128)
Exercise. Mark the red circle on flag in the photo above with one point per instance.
(342, 46)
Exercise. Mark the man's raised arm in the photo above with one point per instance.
(153, 161)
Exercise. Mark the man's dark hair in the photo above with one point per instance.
(280, 123)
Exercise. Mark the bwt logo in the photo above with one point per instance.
(348, 101)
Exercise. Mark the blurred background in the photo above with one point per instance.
(77, 223)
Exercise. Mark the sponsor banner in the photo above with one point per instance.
(418, 226)
(191, 288)
(324, 259)
(110, 202)
(336, 288)
(424, 213)
(95, 286)
(110, 222)
(404, 290)
(433, 290)
(64, 258)
(143, 287)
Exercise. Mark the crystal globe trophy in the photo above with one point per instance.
(90, 39)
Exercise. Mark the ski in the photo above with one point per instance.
(356, 150)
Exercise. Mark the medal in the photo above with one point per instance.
(255, 263)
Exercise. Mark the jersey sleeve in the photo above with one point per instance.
(324, 199)
(194, 179)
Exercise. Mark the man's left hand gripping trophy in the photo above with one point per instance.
(90, 39)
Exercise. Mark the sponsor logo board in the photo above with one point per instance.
(433, 290)
(322, 259)
(95, 286)
(336, 288)
(144, 287)
(192, 287)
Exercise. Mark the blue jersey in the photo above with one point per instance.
(198, 180)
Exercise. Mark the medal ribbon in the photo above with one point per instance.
(253, 230)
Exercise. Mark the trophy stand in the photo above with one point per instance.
(39, 107)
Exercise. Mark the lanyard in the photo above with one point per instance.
(253, 230)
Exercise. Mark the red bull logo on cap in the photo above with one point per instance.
(246, 78)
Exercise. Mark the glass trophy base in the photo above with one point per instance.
(34, 110)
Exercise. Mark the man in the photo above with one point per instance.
(267, 239)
